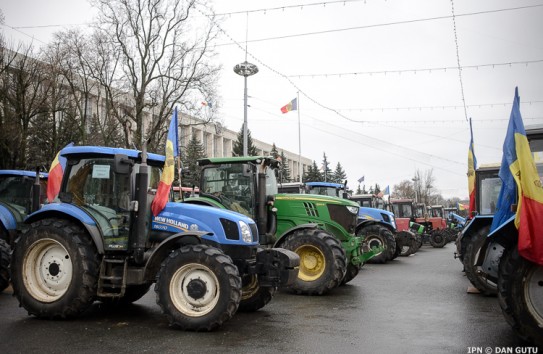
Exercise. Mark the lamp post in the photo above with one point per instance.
(245, 69)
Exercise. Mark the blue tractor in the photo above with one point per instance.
(20, 194)
(475, 231)
(101, 242)
(377, 226)
(519, 281)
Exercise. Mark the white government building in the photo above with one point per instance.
(218, 141)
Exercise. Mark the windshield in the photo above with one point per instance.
(17, 192)
(329, 191)
(402, 210)
(536, 145)
(233, 188)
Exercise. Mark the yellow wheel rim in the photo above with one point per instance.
(312, 263)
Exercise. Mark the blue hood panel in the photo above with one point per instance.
(186, 217)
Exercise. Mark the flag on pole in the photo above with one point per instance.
(361, 179)
(387, 191)
(472, 165)
(291, 106)
(55, 175)
(168, 173)
(521, 184)
(462, 206)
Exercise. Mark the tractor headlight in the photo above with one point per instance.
(245, 232)
(353, 210)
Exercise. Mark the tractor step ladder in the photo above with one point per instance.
(112, 280)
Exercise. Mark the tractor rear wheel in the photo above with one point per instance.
(438, 239)
(407, 242)
(198, 288)
(379, 236)
(4, 264)
(322, 261)
(475, 242)
(55, 269)
(520, 294)
(254, 296)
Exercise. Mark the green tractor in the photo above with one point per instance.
(320, 229)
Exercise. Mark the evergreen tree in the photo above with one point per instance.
(358, 190)
(274, 153)
(285, 170)
(326, 171)
(191, 171)
(237, 150)
(313, 174)
(339, 175)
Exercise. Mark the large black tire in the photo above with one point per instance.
(54, 269)
(438, 239)
(132, 294)
(376, 236)
(520, 294)
(198, 288)
(473, 248)
(4, 264)
(352, 272)
(407, 243)
(253, 296)
(322, 261)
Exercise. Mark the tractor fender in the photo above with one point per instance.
(476, 224)
(7, 219)
(175, 241)
(282, 238)
(73, 213)
(502, 238)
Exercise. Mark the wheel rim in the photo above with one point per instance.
(194, 290)
(533, 292)
(250, 289)
(375, 242)
(312, 263)
(47, 270)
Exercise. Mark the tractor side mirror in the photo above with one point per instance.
(122, 164)
(246, 170)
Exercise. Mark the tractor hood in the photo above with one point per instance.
(379, 215)
(316, 198)
(225, 226)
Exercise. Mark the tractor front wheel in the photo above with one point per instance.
(473, 248)
(379, 236)
(4, 265)
(322, 261)
(253, 296)
(520, 294)
(438, 239)
(198, 288)
(55, 269)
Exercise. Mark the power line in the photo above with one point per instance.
(383, 24)
(282, 8)
(415, 71)
(458, 61)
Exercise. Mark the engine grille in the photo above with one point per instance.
(311, 209)
(254, 231)
(230, 229)
(342, 216)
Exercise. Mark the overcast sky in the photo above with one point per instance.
(397, 106)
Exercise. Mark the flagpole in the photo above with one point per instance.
(300, 172)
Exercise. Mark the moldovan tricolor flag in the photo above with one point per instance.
(291, 106)
(518, 162)
(472, 165)
(55, 175)
(163, 191)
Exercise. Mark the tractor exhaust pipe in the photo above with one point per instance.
(140, 232)
(36, 191)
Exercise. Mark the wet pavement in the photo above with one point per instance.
(416, 304)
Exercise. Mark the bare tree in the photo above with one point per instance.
(164, 59)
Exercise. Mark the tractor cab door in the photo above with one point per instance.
(94, 186)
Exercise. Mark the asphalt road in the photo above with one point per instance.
(416, 304)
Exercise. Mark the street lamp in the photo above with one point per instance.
(245, 69)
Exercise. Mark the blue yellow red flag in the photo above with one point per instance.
(56, 171)
(472, 166)
(291, 106)
(519, 166)
(168, 172)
